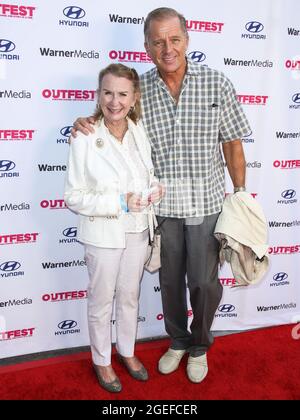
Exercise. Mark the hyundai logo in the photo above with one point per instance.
(6, 45)
(74, 12)
(67, 324)
(254, 27)
(280, 276)
(10, 266)
(6, 165)
(226, 308)
(70, 232)
(197, 56)
(248, 135)
(296, 98)
(288, 194)
(66, 131)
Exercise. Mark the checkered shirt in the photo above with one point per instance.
(186, 137)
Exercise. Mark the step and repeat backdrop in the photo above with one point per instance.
(50, 56)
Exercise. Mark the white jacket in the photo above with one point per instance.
(242, 231)
(94, 182)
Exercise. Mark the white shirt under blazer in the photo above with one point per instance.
(94, 181)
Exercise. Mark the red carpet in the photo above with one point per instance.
(261, 364)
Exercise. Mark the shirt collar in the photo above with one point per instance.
(193, 69)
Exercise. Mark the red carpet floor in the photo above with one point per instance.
(262, 364)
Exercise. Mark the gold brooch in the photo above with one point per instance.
(99, 143)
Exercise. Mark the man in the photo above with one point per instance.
(188, 111)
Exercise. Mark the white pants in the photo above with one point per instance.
(114, 273)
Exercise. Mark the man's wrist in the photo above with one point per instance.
(239, 189)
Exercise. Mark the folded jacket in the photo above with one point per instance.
(242, 232)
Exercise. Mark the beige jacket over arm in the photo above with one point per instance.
(242, 231)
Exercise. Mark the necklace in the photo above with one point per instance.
(118, 132)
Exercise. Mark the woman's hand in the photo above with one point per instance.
(135, 202)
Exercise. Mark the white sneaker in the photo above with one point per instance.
(197, 368)
(169, 362)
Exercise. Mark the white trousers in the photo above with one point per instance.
(114, 274)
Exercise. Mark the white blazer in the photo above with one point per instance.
(94, 181)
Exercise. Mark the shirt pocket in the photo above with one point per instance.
(208, 119)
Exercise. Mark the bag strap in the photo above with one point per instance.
(154, 226)
(158, 226)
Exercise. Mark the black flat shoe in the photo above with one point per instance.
(140, 375)
(114, 386)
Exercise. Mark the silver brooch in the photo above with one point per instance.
(99, 143)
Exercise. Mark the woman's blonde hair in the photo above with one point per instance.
(119, 70)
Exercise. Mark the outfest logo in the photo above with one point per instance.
(130, 56)
(13, 334)
(62, 296)
(287, 164)
(69, 94)
(18, 238)
(228, 281)
(292, 64)
(55, 204)
(282, 250)
(16, 11)
(160, 316)
(16, 135)
(252, 99)
(204, 26)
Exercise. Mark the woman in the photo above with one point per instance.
(107, 184)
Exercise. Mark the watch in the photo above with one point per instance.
(239, 189)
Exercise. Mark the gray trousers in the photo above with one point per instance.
(192, 252)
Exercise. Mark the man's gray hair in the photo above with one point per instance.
(162, 13)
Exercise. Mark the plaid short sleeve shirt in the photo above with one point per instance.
(185, 138)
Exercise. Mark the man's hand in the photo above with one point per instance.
(84, 125)
(158, 190)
